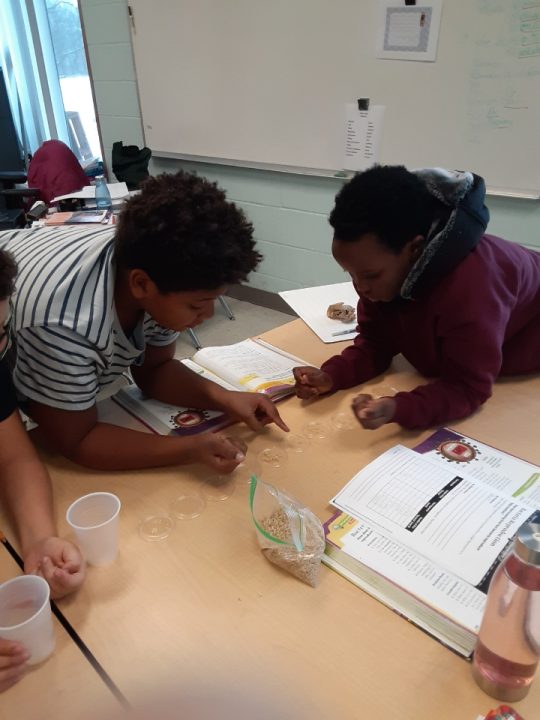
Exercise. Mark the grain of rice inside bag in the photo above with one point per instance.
(289, 534)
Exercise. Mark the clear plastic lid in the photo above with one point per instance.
(344, 421)
(297, 443)
(156, 527)
(316, 430)
(188, 506)
(243, 473)
(273, 457)
(218, 488)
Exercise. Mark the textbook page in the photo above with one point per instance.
(311, 304)
(250, 365)
(207, 374)
(454, 520)
(501, 471)
(408, 570)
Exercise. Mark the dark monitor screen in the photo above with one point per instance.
(11, 153)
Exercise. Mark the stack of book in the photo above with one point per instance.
(423, 530)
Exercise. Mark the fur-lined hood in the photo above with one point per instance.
(449, 241)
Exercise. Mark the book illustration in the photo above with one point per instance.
(166, 419)
(511, 475)
(189, 418)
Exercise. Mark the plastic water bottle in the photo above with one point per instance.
(508, 647)
(103, 196)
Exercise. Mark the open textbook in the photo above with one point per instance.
(250, 365)
(423, 530)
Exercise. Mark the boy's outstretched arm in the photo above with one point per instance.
(166, 379)
(370, 354)
(79, 436)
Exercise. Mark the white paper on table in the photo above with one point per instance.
(409, 32)
(312, 303)
(363, 131)
(117, 191)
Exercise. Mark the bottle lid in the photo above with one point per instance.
(527, 544)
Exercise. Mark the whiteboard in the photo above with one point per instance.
(266, 81)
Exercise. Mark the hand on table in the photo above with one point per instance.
(220, 452)
(13, 657)
(59, 562)
(371, 412)
(254, 409)
(311, 382)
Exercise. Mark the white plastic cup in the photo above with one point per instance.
(94, 519)
(25, 616)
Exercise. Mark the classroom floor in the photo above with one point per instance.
(250, 320)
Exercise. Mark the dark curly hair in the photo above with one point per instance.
(8, 273)
(181, 230)
(388, 201)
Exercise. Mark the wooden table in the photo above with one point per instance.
(64, 686)
(205, 604)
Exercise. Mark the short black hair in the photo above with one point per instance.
(183, 232)
(8, 273)
(387, 200)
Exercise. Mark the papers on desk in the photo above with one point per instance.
(423, 530)
(118, 191)
(311, 305)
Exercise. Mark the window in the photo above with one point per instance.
(44, 62)
(68, 46)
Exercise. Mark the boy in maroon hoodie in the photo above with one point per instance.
(461, 306)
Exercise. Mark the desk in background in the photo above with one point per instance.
(204, 603)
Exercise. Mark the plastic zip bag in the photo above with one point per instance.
(289, 534)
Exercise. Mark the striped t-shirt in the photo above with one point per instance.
(69, 341)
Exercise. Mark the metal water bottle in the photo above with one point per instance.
(103, 196)
(508, 647)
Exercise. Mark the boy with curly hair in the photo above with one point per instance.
(463, 307)
(93, 303)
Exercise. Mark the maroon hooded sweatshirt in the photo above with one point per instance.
(469, 312)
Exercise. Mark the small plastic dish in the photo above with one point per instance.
(273, 457)
(156, 527)
(188, 506)
(243, 473)
(316, 430)
(218, 488)
(297, 443)
(344, 421)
